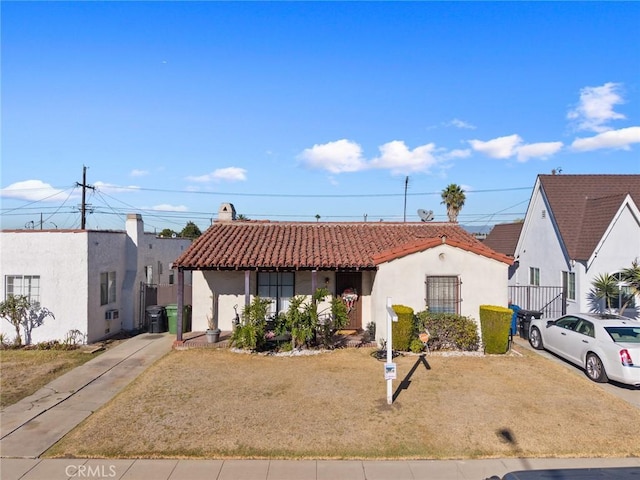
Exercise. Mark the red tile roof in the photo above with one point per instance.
(504, 237)
(287, 245)
(583, 206)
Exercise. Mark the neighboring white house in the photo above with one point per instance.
(90, 280)
(438, 265)
(576, 228)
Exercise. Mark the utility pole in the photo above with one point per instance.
(406, 184)
(83, 207)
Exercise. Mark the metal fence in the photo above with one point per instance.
(549, 300)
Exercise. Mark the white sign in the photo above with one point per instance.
(390, 371)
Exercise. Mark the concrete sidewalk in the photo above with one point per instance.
(22, 469)
(35, 423)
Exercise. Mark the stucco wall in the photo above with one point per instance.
(484, 281)
(220, 291)
(69, 263)
(61, 260)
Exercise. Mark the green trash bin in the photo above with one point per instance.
(172, 317)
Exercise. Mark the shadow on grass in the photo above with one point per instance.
(507, 436)
(406, 381)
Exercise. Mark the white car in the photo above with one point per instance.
(606, 346)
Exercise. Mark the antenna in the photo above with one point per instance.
(425, 215)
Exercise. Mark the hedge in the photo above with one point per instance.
(495, 322)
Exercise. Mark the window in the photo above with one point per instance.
(569, 323)
(443, 294)
(27, 285)
(107, 288)
(534, 276)
(569, 285)
(626, 294)
(279, 287)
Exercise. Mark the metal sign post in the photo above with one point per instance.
(390, 367)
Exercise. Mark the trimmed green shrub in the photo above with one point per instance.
(495, 322)
(449, 331)
(416, 345)
(402, 330)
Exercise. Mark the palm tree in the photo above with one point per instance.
(631, 276)
(453, 197)
(605, 287)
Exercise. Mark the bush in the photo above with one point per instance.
(403, 329)
(449, 331)
(496, 323)
(249, 334)
(416, 345)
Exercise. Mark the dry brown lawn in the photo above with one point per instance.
(23, 372)
(220, 404)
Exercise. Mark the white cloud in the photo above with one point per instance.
(501, 147)
(457, 153)
(165, 207)
(456, 122)
(397, 157)
(110, 188)
(537, 150)
(513, 145)
(139, 173)
(595, 108)
(228, 174)
(618, 139)
(32, 190)
(336, 157)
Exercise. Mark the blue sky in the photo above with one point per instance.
(297, 109)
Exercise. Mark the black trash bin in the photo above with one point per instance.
(524, 321)
(156, 318)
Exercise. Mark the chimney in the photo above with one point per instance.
(226, 213)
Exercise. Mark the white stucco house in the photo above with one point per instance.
(438, 265)
(90, 280)
(576, 228)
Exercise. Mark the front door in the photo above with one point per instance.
(349, 288)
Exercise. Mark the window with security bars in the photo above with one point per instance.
(443, 294)
(27, 285)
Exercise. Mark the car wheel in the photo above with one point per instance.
(595, 369)
(535, 338)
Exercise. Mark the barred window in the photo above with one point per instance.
(443, 294)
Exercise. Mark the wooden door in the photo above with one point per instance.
(351, 282)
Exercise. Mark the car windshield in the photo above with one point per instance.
(624, 334)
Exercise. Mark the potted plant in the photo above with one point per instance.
(213, 333)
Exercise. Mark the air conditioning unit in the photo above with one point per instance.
(112, 314)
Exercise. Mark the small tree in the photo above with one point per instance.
(168, 233)
(303, 320)
(605, 287)
(190, 230)
(16, 310)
